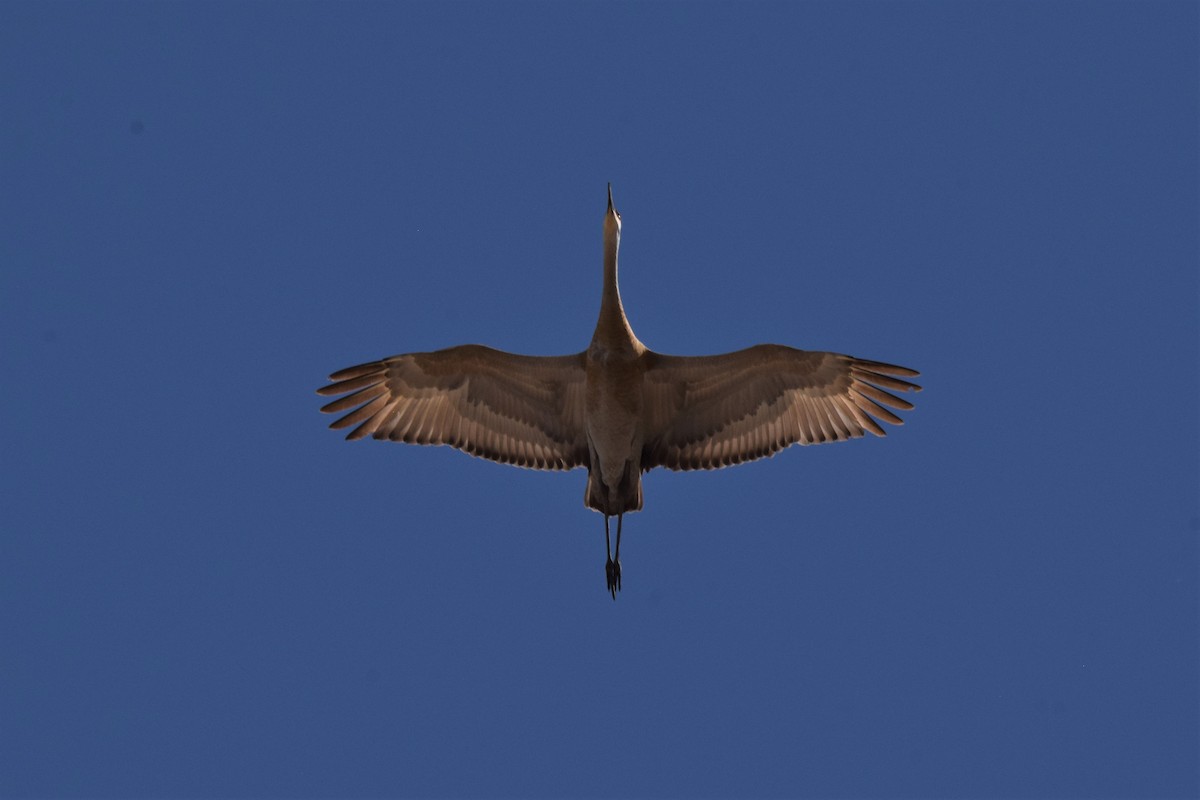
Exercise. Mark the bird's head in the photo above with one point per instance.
(612, 218)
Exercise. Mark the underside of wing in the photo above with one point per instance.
(521, 410)
(714, 411)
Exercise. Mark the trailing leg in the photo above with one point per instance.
(612, 569)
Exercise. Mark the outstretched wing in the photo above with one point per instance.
(522, 410)
(713, 411)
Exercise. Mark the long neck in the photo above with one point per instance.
(612, 328)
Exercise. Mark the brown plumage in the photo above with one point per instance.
(618, 408)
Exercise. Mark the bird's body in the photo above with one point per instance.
(614, 432)
(615, 368)
(618, 408)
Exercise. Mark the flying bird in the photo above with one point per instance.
(618, 408)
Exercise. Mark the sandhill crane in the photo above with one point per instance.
(618, 408)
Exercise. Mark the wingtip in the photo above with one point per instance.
(886, 368)
(358, 370)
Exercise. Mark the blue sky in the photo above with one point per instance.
(208, 207)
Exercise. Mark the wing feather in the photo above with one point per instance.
(874, 409)
(355, 417)
(710, 411)
(522, 410)
(355, 399)
(887, 398)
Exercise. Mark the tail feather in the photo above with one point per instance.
(625, 498)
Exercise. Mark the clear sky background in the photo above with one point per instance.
(205, 208)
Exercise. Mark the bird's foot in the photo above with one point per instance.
(612, 571)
